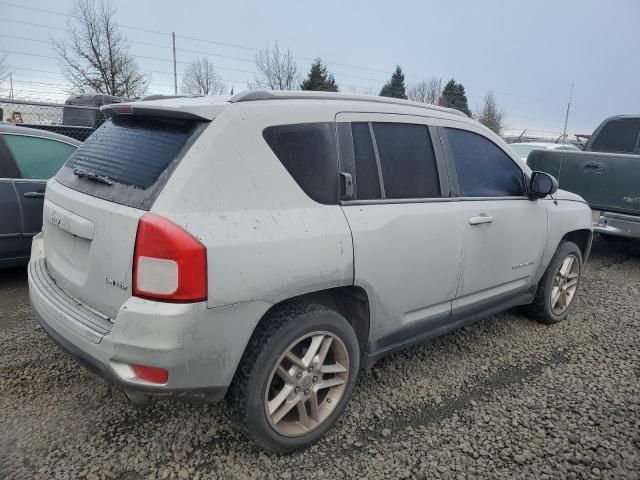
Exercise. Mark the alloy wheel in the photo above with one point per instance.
(307, 383)
(565, 284)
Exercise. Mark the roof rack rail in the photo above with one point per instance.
(256, 95)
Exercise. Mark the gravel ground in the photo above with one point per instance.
(504, 398)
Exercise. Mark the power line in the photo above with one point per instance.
(189, 51)
(32, 24)
(29, 54)
(24, 38)
(231, 45)
(53, 12)
(9, 4)
(196, 39)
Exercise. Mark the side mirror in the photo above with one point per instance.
(542, 184)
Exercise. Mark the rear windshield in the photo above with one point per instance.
(129, 159)
(618, 136)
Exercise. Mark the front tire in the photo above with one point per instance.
(296, 377)
(558, 287)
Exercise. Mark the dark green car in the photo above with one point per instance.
(606, 174)
(28, 158)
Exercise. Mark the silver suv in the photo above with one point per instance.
(268, 246)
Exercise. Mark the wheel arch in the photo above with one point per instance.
(583, 238)
(352, 302)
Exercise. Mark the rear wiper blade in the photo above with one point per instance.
(80, 172)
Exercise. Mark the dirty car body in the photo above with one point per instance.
(269, 190)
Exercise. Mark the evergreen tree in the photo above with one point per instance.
(454, 96)
(319, 79)
(395, 87)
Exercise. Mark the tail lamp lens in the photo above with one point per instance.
(169, 264)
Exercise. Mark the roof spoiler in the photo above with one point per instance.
(147, 110)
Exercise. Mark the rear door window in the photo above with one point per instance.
(38, 158)
(132, 155)
(483, 168)
(308, 151)
(619, 136)
(407, 160)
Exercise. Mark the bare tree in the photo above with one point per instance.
(200, 78)
(276, 70)
(490, 115)
(95, 57)
(417, 91)
(426, 91)
(4, 68)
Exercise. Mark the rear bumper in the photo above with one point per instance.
(87, 360)
(199, 347)
(618, 224)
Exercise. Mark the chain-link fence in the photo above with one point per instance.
(76, 121)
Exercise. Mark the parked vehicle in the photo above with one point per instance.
(270, 246)
(523, 149)
(28, 157)
(606, 175)
(74, 114)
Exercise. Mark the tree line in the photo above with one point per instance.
(95, 57)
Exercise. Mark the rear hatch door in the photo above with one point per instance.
(93, 205)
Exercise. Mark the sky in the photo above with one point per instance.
(527, 52)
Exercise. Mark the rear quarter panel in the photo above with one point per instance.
(266, 239)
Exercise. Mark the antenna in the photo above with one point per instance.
(564, 136)
(566, 117)
(175, 74)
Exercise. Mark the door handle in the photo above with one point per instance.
(34, 194)
(480, 219)
(593, 168)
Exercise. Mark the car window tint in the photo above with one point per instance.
(367, 179)
(618, 136)
(38, 158)
(407, 160)
(483, 168)
(309, 153)
(132, 150)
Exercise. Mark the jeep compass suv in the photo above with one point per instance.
(266, 247)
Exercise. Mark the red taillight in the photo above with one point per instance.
(168, 263)
(151, 374)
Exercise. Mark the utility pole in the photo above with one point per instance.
(566, 117)
(175, 74)
(11, 82)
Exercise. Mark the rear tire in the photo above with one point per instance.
(296, 377)
(558, 287)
